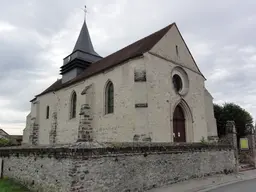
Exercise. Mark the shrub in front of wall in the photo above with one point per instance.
(4, 142)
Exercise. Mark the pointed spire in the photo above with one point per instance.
(81, 58)
(84, 42)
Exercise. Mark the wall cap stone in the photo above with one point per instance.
(94, 149)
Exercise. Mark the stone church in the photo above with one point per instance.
(149, 91)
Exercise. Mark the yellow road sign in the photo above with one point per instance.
(244, 144)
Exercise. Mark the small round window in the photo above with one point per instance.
(177, 82)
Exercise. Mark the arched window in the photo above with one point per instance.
(73, 105)
(109, 98)
(47, 112)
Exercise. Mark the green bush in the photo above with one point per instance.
(203, 141)
(4, 142)
(7, 185)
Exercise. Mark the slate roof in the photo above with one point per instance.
(131, 51)
(84, 42)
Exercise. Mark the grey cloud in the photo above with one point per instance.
(18, 52)
(217, 33)
(46, 16)
(12, 121)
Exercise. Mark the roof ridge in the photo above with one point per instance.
(164, 30)
(130, 51)
(143, 38)
(4, 131)
(136, 42)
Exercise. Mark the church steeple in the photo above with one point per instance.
(84, 42)
(83, 56)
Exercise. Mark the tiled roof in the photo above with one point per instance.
(131, 51)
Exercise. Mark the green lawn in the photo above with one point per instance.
(10, 186)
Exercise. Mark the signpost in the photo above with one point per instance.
(244, 144)
(1, 168)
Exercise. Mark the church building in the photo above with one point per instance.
(149, 91)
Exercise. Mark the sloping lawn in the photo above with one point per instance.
(7, 185)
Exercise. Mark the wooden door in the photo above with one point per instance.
(179, 131)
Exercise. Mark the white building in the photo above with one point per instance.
(151, 90)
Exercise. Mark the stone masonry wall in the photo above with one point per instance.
(33, 137)
(85, 132)
(247, 156)
(39, 173)
(53, 131)
(113, 167)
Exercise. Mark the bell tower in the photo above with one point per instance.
(82, 57)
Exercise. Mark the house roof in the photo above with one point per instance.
(1, 130)
(131, 51)
(54, 87)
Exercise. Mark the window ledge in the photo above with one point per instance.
(108, 114)
(72, 119)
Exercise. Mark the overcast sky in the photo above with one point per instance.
(35, 35)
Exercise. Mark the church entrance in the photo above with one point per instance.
(179, 131)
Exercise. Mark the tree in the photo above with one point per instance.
(4, 142)
(232, 112)
(218, 109)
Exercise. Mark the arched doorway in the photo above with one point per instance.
(179, 130)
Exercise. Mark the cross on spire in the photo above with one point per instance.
(85, 11)
(84, 42)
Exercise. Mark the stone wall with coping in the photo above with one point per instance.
(247, 156)
(39, 173)
(115, 167)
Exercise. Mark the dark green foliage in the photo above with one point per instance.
(4, 142)
(218, 109)
(7, 185)
(232, 112)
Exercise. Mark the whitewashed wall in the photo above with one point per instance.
(127, 121)
(161, 61)
(26, 131)
(111, 127)
(211, 121)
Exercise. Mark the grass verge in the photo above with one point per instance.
(7, 185)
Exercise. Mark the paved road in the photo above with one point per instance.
(245, 186)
